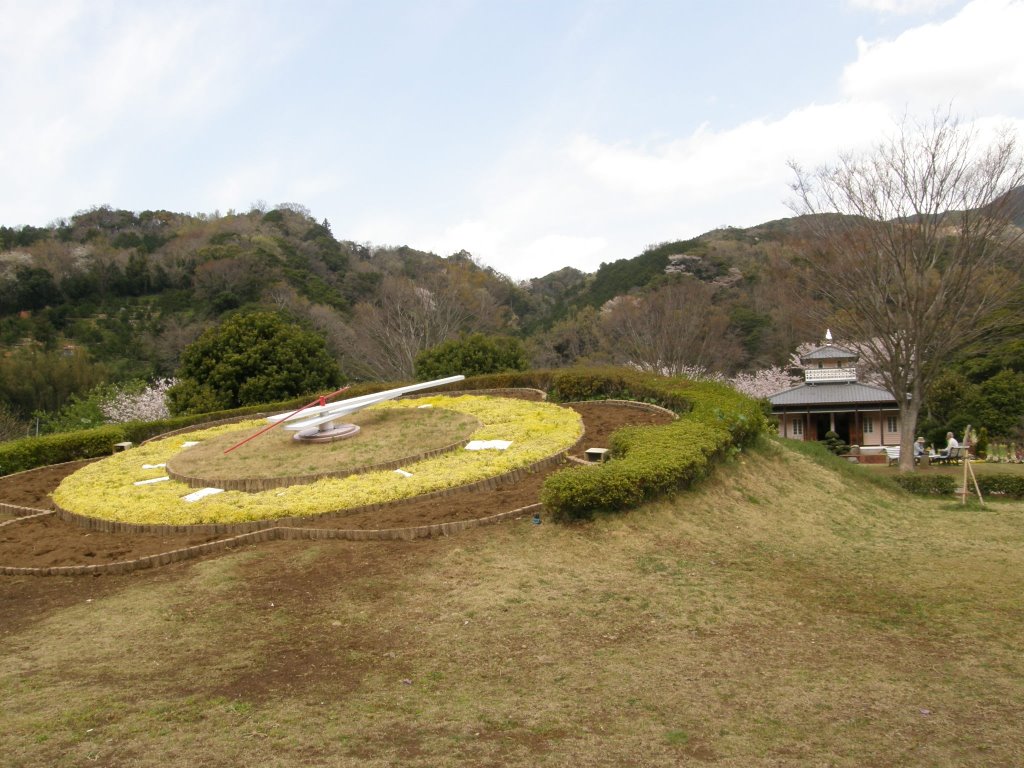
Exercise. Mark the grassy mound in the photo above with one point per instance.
(781, 613)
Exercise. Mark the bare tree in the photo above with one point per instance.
(915, 263)
(675, 329)
(571, 341)
(168, 343)
(405, 319)
(325, 320)
(238, 276)
(12, 426)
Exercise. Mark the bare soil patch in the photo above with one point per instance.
(32, 488)
(48, 541)
(601, 418)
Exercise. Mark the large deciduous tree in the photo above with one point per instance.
(675, 329)
(571, 341)
(910, 243)
(407, 317)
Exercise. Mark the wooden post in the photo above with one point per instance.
(965, 450)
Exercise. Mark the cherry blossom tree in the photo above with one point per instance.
(148, 404)
(765, 382)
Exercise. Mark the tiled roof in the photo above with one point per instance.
(849, 393)
(829, 352)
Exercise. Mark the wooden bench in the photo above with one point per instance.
(893, 452)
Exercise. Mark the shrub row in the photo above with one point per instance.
(1008, 485)
(710, 401)
(573, 384)
(30, 452)
(926, 484)
(651, 461)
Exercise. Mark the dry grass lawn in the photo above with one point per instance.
(385, 436)
(957, 470)
(784, 614)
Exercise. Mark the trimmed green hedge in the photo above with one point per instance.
(31, 452)
(571, 384)
(1007, 485)
(535, 379)
(647, 461)
(926, 484)
(651, 461)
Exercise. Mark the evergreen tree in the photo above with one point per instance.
(250, 359)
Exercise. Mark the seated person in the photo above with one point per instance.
(919, 448)
(951, 443)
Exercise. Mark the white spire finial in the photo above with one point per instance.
(828, 334)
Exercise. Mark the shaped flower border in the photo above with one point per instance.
(107, 490)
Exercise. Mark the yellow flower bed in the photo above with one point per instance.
(106, 488)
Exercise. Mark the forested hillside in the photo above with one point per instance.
(110, 296)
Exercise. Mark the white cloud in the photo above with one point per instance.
(93, 82)
(901, 7)
(240, 187)
(972, 60)
(585, 201)
(476, 236)
(636, 193)
(713, 164)
(99, 87)
(540, 256)
(520, 252)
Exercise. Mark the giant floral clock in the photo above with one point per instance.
(162, 483)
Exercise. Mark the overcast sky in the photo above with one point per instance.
(535, 134)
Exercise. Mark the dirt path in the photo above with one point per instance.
(48, 541)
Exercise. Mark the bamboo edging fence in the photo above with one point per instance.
(253, 532)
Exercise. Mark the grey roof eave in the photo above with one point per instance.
(829, 352)
(849, 393)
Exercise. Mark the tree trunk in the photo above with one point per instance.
(908, 423)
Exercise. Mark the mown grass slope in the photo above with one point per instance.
(783, 613)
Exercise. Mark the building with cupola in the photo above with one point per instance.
(832, 399)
